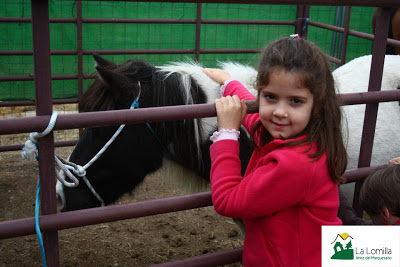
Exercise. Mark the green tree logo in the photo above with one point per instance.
(345, 252)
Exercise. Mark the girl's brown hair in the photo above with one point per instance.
(324, 128)
(382, 189)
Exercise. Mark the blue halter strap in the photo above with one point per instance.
(135, 104)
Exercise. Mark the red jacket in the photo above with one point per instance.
(283, 199)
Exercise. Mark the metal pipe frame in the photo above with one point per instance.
(51, 222)
(42, 68)
(73, 219)
(371, 110)
(19, 147)
(156, 114)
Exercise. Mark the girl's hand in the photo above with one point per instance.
(218, 75)
(395, 161)
(230, 112)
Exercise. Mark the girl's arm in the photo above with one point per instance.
(230, 112)
(236, 88)
(233, 88)
(278, 181)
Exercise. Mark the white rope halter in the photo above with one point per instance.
(67, 166)
(29, 152)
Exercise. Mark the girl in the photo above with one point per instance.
(290, 187)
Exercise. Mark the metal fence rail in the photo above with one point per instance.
(157, 114)
(51, 222)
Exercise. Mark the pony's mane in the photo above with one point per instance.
(191, 70)
(190, 75)
(188, 71)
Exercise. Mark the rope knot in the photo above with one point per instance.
(79, 170)
(34, 137)
(29, 150)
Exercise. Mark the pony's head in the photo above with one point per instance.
(133, 154)
(116, 86)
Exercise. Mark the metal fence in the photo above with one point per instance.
(51, 222)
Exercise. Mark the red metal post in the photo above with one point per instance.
(79, 45)
(371, 110)
(306, 16)
(299, 19)
(41, 55)
(198, 33)
(346, 34)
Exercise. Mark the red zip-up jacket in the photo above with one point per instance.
(283, 199)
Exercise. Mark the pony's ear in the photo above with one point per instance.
(102, 62)
(112, 78)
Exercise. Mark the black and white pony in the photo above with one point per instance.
(182, 147)
(141, 149)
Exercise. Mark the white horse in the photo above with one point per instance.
(353, 77)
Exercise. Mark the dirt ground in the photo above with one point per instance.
(134, 242)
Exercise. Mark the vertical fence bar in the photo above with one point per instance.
(79, 47)
(345, 34)
(41, 48)
(198, 33)
(306, 15)
(299, 19)
(41, 56)
(371, 110)
(79, 44)
(334, 33)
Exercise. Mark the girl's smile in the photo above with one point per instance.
(285, 105)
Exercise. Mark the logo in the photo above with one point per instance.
(360, 246)
(343, 247)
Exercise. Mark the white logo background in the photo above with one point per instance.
(364, 238)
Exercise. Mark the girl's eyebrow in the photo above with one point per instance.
(300, 96)
(264, 91)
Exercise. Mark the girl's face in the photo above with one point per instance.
(285, 105)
